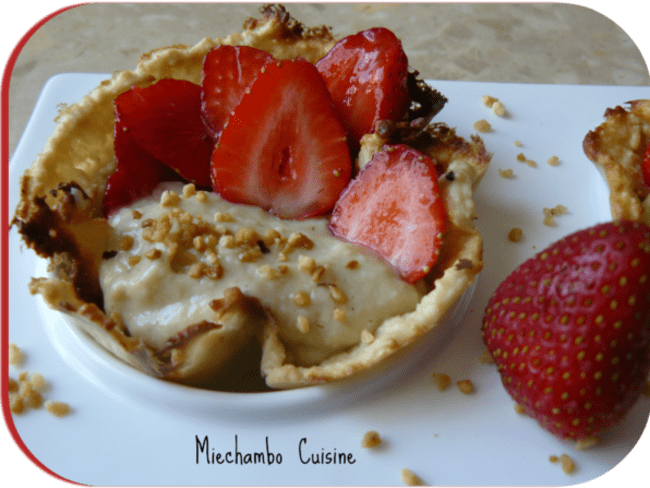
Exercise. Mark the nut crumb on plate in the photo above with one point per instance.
(466, 386)
(411, 479)
(482, 126)
(15, 356)
(515, 234)
(486, 357)
(442, 381)
(550, 213)
(506, 173)
(371, 439)
(553, 161)
(568, 465)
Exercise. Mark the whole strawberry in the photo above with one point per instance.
(569, 329)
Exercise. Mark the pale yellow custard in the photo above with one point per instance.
(179, 250)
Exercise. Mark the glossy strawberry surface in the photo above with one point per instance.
(569, 329)
(394, 207)
(283, 148)
(367, 74)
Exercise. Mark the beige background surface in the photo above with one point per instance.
(519, 43)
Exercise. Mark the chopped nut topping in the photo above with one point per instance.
(126, 243)
(301, 299)
(466, 386)
(133, 260)
(442, 380)
(246, 235)
(227, 242)
(201, 196)
(339, 314)
(153, 254)
(223, 217)
(354, 264)
(367, 337)
(515, 234)
(169, 199)
(318, 273)
(196, 270)
(337, 294)
(303, 324)
(189, 190)
(306, 264)
(251, 255)
(586, 443)
(371, 439)
(137, 214)
(519, 409)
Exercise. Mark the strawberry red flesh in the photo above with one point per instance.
(227, 72)
(367, 74)
(164, 119)
(136, 175)
(569, 329)
(283, 148)
(394, 207)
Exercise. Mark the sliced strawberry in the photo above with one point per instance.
(283, 148)
(394, 207)
(136, 175)
(227, 72)
(367, 74)
(645, 168)
(165, 120)
(569, 329)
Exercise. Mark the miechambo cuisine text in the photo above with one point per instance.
(240, 456)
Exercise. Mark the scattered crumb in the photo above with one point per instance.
(486, 357)
(586, 443)
(550, 213)
(482, 126)
(26, 393)
(15, 356)
(506, 173)
(488, 100)
(515, 234)
(553, 161)
(568, 466)
(519, 409)
(521, 157)
(409, 478)
(499, 109)
(58, 409)
(518, 143)
(442, 381)
(371, 439)
(531, 163)
(466, 386)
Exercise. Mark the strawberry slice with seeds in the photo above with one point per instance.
(283, 148)
(136, 175)
(569, 329)
(227, 72)
(165, 120)
(394, 207)
(367, 77)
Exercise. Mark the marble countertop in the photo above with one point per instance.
(516, 43)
